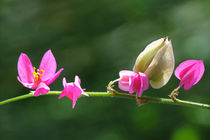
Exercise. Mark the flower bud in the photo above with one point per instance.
(133, 82)
(157, 62)
(189, 73)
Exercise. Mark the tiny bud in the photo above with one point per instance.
(157, 62)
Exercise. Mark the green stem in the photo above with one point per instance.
(121, 95)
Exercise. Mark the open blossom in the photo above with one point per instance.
(38, 79)
(133, 82)
(72, 90)
(190, 73)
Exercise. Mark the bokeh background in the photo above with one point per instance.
(95, 39)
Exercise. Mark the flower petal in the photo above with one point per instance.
(123, 85)
(135, 83)
(73, 103)
(25, 69)
(64, 82)
(28, 85)
(68, 89)
(199, 71)
(125, 80)
(77, 81)
(123, 73)
(63, 93)
(53, 78)
(75, 92)
(188, 80)
(144, 81)
(184, 66)
(41, 89)
(139, 92)
(48, 64)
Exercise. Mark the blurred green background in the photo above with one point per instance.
(96, 39)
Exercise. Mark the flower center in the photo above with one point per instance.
(37, 74)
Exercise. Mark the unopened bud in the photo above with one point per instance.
(157, 62)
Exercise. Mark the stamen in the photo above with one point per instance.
(37, 74)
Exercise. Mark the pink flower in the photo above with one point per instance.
(72, 90)
(133, 82)
(38, 79)
(190, 73)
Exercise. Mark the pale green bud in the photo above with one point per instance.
(157, 62)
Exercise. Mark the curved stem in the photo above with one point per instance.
(121, 95)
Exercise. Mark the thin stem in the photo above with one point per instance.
(111, 85)
(121, 95)
(174, 93)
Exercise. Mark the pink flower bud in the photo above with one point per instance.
(190, 73)
(133, 82)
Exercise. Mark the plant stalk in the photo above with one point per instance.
(120, 95)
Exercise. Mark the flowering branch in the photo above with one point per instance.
(146, 99)
(153, 66)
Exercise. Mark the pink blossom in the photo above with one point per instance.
(133, 82)
(190, 73)
(72, 90)
(37, 79)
